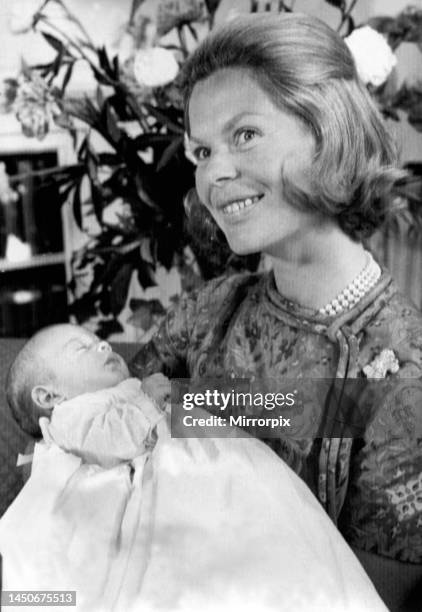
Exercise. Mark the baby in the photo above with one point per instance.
(69, 386)
(130, 518)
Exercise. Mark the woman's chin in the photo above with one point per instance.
(243, 249)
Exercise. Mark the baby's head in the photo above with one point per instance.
(59, 363)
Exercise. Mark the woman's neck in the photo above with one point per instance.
(315, 270)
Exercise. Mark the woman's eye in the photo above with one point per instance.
(245, 135)
(201, 153)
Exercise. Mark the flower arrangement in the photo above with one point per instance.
(147, 171)
(139, 224)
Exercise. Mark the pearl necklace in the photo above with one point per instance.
(354, 292)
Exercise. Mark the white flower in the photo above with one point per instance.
(373, 56)
(35, 105)
(385, 362)
(155, 67)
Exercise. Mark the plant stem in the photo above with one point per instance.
(346, 14)
(77, 22)
(134, 107)
(132, 103)
(124, 249)
(67, 38)
(44, 4)
(182, 39)
(81, 52)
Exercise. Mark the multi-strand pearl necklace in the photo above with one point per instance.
(355, 291)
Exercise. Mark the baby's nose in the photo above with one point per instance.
(104, 347)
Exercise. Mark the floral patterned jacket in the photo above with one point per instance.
(370, 484)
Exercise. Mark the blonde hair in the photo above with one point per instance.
(308, 71)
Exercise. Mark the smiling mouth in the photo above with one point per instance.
(238, 206)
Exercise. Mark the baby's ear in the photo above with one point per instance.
(45, 397)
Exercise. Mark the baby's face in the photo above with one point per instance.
(80, 361)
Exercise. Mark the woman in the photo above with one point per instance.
(294, 161)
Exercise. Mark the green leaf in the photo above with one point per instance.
(143, 193)
(111, 121)
(119, 288)
(106, 273)
(84, 307)
(77, 206)
(340, 4)
(65, 192)
(67, 77)
(108, 159)
(100, 98)
(106, 328)
(97, 201)
(85, 111)
(146, 274)
(43, 69)
(166, 246)
(57, 64)
(164, 119)
(116, 68)
(111, 68)
(212, 6)
(91, 161)
(350, 25)
(54, 42)
(169, 152)
(143, 141)
(193, 32)
(102, 79)
(83, 148)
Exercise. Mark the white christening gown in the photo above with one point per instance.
(134, 520)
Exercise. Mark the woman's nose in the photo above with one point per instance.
(221, 168)
(104, 347)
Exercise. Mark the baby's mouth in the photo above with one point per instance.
(112, 359)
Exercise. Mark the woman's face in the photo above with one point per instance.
(243, 143)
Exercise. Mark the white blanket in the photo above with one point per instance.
(204, 525)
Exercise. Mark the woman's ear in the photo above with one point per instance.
(45, 397)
